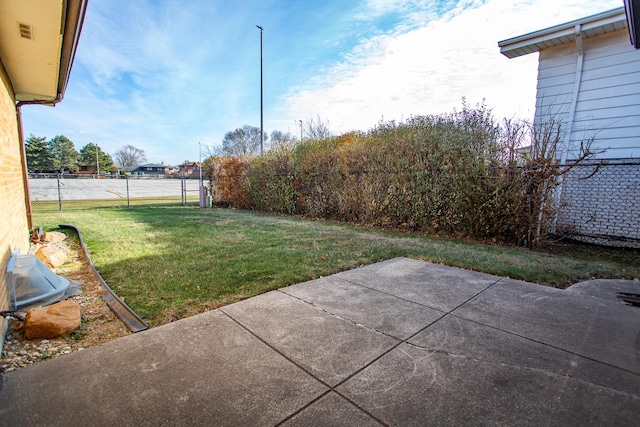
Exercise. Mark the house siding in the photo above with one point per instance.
(608, 104)
(14, 231)
(602, 208)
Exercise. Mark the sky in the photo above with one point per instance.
(172, 77)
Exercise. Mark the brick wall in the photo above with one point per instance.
(13, 216)
(603, 208)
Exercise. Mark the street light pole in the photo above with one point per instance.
(261, 97)
(300, 130)
(203, 197)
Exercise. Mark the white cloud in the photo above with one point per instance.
(427, 70)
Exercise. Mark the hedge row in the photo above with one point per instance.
(458, 174)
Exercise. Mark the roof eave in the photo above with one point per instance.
(590, 26)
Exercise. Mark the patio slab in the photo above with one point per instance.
(412, 386)
(432, 285)
(393, 316)
(601, 329)
(458, 337)
(606, 288)
(327, 346)
(204, 370)
(332, 410)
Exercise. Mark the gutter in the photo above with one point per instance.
(632, 9)
(72, 22)
(23, 163)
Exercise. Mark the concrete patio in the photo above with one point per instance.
(401, 342)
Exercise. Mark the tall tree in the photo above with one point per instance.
(282, 139)
(317, 129)
(96, 159)
(38, 155)
(243, 141)
(64, 154)
(129, 155)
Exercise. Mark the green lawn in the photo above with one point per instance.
(172, 262)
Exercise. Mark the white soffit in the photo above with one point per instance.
(602, 23)
(30, 46)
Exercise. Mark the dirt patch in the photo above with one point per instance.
(99, 323)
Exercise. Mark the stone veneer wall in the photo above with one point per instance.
(603, 208)
(14, 231)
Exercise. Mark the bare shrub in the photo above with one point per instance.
(228, 181)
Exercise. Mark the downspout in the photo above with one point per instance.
(23, 162)
(572, 113)
(23, 154)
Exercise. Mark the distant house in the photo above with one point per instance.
(86, 170)
(589, 81)
(38, 41)
(90, 169)
(189, 169)
(154, 169)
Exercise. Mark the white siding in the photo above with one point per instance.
(608, 103)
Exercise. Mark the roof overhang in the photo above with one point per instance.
(632, 8)
(38, 40)
(595, 25)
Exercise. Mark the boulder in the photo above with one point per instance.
(57, 320)
(54, 237)
(51, 256)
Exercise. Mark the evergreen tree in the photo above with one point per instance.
(65, 156)
(92, 156)
(39, 157)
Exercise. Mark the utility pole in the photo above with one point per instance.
(261, 97)
(97, 162)
(300, 130)
(201, 188)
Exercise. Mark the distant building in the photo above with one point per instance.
(153, 169)
(189, 169)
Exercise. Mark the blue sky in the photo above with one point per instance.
(167, 75)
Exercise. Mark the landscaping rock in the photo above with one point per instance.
(54, 321)
(54, 237)
(51, 256)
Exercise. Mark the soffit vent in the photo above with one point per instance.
(25, 31)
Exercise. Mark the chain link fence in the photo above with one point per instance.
(600, 203)
(56, 192)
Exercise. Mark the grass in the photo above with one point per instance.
(170, 262)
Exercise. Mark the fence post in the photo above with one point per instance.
(182, 192)
(126, 178)
(414, 209)
(292, 180)
(59, 194)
